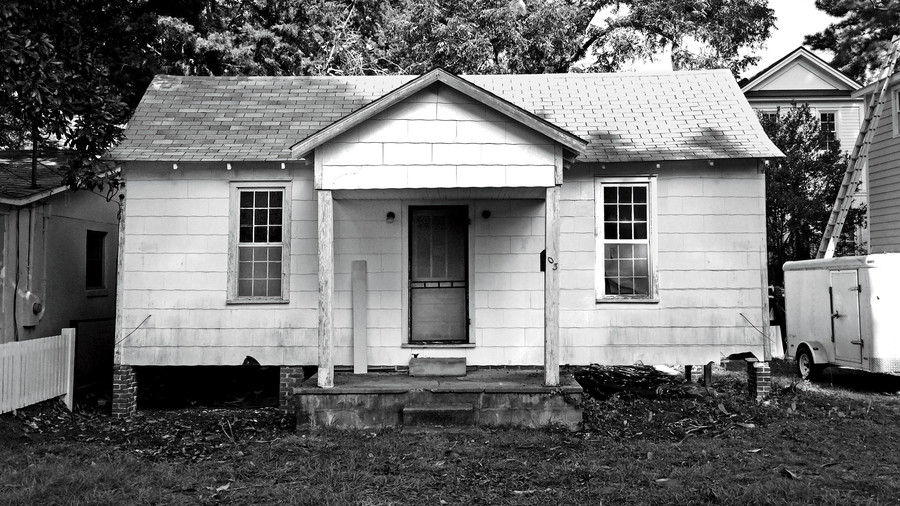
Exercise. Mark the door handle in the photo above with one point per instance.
(836, 315)
(857, 342)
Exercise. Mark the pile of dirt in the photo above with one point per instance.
(191, 435)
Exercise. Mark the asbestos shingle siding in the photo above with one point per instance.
(624, 117)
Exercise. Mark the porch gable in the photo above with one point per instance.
(439, 138)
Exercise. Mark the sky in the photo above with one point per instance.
(795, 19)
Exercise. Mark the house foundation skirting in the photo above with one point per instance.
(124, 397)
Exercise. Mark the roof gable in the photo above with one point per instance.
(498, 104)
(800, 69)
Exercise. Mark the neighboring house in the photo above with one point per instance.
(57, 261)
(250, 197)
(884, 170)
(801, 77)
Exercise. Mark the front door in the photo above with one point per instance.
(845, 316)
(438, 274)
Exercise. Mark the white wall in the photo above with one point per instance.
(711, 242)
(710, 257)
(51, 262)
(175, 270)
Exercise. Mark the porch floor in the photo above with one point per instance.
(486, 397)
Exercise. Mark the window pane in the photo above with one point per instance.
(626, 286)
(274, 288)
(245, 287)
(641, 268)
(641, 286)
(626, 251)
(626, 267)
(262, 199)
(609, 213)
(259, 234)
(609, 195)
(245, 270)
(246, 217)
(247, 199)
(640, 251)
(275, 217)
(259, 270)
(611, 251)
(274, 234)
(640, 194)
(261, 217)
(274, 253)
(246, 234)
(274, 270)
(610, 231)
(625, 231)
(640, 213)
(612, 286)
(624, 213)
(275, 199)
(245, 254)
(94, 259)
(640, 230)
(259, 288)
(624, 194)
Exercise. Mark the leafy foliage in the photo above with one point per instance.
(861, 38)
(800, 188)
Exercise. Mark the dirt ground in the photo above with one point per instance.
(835, 441)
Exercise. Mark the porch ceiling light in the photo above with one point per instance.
(390, 217)
(486, 213)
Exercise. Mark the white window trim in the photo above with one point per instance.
(653, 220)
(895, 111)
(233, 221)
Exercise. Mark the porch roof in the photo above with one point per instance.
(623, 117)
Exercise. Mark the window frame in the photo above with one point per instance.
(820, 112)
(895, 111)
(234, 243)
(103, 288)
(600, 294)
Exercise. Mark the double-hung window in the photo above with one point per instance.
(828, 128)
(625, 239)
(260, 230)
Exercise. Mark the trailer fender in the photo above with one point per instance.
(820, 356)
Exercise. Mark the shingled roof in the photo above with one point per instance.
(624, 117)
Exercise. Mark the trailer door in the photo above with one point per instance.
(845, 317)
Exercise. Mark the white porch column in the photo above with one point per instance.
(326, 288)
(551, 288)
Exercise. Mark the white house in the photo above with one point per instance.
(57, 261)
(510, 220)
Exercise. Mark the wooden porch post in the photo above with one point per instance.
(551, 288)
(326, 288)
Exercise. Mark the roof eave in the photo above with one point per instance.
(567, 139)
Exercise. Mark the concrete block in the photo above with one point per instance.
(433, 366)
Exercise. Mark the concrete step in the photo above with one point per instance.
(432, 366)
(439, 414)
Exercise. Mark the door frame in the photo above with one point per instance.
(405, 265)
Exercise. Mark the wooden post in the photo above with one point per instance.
(551, 288)
(326, 289)
(707, 374)
(764, 276)
(689, 373)
(359, 284)
(120, 286)
(68, 336)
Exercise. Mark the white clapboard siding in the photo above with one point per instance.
(36, 370)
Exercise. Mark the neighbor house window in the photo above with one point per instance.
(771, 117)
(94, 260)
(260, 232)
(625, 242)
(828, 128)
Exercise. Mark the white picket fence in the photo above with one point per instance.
(36, 370)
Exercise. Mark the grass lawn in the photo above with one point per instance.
(808, 444)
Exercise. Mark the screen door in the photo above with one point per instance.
(438, 274)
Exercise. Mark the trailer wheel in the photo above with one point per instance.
(806, 366)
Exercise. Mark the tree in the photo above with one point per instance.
(56, 88)
(861, 38)
(800, 188)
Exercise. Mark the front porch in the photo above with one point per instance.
(484, 397)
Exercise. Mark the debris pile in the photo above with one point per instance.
(601, 381)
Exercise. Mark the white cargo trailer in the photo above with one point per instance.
(844, 311)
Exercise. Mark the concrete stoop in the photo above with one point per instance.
(482, 398)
